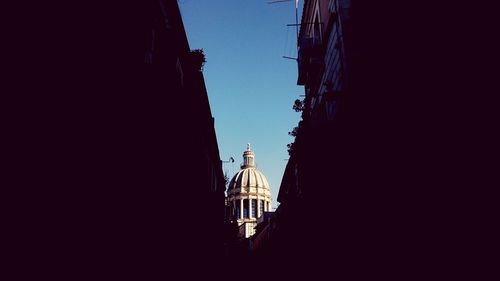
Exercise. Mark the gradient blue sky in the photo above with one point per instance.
(251, 87)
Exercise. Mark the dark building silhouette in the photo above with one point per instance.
(308, 222)
(119, 140)
(359, 195)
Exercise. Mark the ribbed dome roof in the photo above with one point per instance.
(248, 176)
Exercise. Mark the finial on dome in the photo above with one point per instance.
(248, 146)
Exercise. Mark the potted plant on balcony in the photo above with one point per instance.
(197, 58)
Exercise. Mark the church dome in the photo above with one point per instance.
(248, 195)
(248, 177)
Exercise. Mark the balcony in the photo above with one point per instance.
(310, 59)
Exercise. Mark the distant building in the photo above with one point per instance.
(248, 194)
(262, 234)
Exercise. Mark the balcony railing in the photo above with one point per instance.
(310, 59)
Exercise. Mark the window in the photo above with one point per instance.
(245, 209)
(237, 209)
(254, 208)
(262, 207)
(317, 32)
(331, 6)
(317, 26)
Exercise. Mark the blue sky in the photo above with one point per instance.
(251, 87)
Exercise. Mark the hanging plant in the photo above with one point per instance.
(294, 132)
(298, 105)
(197, 57)
(290, 147)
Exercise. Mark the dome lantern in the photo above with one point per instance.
(248, 158)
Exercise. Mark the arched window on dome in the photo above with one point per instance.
(254, 208)
(237, 210)
(262, 207)
(245, 209)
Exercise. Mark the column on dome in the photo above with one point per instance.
(258, 207)
(241, 208)
(250, 207)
